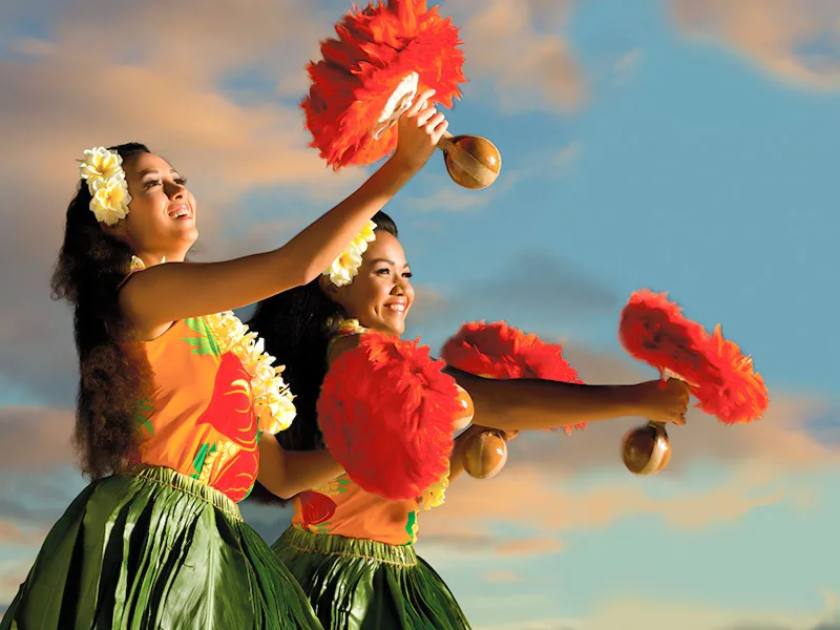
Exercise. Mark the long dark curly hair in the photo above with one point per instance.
(112, 373)
(297, 326)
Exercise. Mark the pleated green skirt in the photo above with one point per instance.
(156, 550)
(356, 584)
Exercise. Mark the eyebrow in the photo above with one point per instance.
(389, 261)
(146, 171)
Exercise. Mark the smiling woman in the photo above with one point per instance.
(173, 395)
(387, 412)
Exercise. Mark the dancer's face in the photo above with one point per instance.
(161, 217)
(381, 294)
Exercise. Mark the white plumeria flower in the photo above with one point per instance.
(100, 163)
(102, 169)
(346, 265)
(109, 201)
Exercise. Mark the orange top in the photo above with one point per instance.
(342, 508)
(200, 418)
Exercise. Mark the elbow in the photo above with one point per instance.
(286, 492)
(309, 274)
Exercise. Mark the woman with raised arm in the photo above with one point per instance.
(173, 396)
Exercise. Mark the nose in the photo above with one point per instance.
(174, 190)
(400, 284)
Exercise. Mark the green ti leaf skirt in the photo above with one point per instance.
(156, 550)
(358, 584)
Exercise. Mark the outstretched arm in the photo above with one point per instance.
(523, 404)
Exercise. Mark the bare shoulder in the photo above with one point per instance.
(340, 345)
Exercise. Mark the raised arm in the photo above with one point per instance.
(524, 404)
(164, 293)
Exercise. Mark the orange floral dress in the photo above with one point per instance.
(200, 418)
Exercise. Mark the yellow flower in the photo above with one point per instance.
(435, 495)
(100, 163)
(346, 265)
(110, 199)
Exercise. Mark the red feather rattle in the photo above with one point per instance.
(385, 55)
(499, 351)
(653, 329)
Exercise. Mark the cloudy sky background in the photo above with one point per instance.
(689, 146)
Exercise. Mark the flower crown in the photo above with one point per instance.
(345, 267)
(102, 169)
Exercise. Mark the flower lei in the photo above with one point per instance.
(272, 397)
(102, 169)
(346, 265)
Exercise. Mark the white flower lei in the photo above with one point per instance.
(272, 397)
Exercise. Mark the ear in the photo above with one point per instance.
(117, 230)
(326, 285)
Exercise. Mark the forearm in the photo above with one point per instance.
(287, 473)
(527, 404)
(317, 246)
(166, 293)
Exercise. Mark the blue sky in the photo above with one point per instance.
(689, 146)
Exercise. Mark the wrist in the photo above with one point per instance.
(400, 168)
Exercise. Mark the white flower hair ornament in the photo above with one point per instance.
(345, 267)
(102, 169)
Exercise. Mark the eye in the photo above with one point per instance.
(383, 271)
(407, 274)
(181, 181)
(150, 183)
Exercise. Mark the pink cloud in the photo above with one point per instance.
(798, 42)
(514, 45)
(35, 439)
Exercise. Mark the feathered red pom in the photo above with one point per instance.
(376, 48)
(654, 330)
(497, 350)
(386, 412)
(739, 395)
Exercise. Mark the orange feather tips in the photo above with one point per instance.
(386, 413)
(654, 330)
(377, 53)
(500, 351)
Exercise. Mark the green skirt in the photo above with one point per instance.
(156, 550)
(356, 584)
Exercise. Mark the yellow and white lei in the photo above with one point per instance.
(102, 169)
(271, 395)
(346, 265)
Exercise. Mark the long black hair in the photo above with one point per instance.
(297, 326)
(91, 266)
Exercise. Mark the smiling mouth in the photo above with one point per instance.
(396, 308)
(180, 212)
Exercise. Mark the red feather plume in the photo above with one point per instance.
(740, 394)
(500, 351)
(376, 48)
(386, 412)
(654, 329)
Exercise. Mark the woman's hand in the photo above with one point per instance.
(663, 401)
(420, 128)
